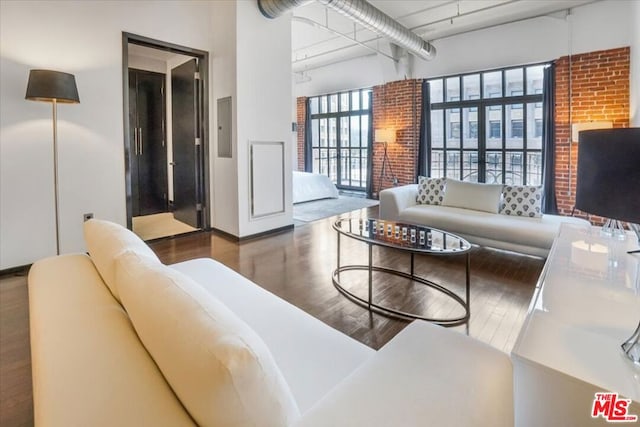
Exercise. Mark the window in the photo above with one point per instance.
(538, 128)
(516, 129)
(340, 137)
(487, 126)
(454, 130)
(494, 129)
(473, 130)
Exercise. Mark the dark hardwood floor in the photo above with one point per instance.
(297, 265)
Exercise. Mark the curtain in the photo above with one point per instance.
(549, 203)
(308, 165)
(370, 151)
(423, 145)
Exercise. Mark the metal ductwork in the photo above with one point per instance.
(365, 14)
(274, 8)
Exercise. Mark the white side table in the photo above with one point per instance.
(586, 303)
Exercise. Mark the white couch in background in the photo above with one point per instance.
(471, 211)
(98, 358)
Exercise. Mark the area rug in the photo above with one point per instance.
(318, 209)
(150, 227)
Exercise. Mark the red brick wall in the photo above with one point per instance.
(599, 91)
(301, 114)
(396, 105)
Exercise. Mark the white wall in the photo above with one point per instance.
(596, 26)
(83, 38)
(264, 68)
(225, 170)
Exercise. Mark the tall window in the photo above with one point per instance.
(487, 126)
(340, 138)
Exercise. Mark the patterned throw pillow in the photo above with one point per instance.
(521, 201)
(430, 190)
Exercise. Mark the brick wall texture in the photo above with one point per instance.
(396, 105)
(599, 91)
(301, 114)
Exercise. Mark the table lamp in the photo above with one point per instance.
(608, 185)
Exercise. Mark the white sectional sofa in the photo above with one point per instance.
(471, 211)
(118, 339)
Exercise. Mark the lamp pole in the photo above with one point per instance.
(54, 104)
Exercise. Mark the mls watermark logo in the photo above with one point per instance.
(612, 408)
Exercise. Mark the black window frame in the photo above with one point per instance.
(334, 154)
(486, 103)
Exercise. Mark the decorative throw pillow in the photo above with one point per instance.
(472, 195)
(430, 190)
(522, 201)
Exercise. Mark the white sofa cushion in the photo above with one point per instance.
(303, 347)
(469, 195)
(522, 201)
(105, 241)
(430, 190)
(531, 232)
(427, 375)
(221, 371)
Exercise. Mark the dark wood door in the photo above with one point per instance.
(149, 166)
(186, 144)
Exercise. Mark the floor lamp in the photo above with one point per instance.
(54, 87)
(385, 136)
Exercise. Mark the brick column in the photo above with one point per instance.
(599, 91)
(301, 115)
(397, 105)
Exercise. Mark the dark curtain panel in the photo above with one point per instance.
(423, 146)
(549, 203)
(307, 137)
(370, 150)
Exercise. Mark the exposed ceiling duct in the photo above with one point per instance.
(365, 14)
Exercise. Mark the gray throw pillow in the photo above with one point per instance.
(430, 190)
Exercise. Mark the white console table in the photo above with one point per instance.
(586, 303)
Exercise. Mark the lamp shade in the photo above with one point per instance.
(385, 135)
(46, 85)
(608, 182)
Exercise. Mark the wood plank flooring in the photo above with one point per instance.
(297, 265)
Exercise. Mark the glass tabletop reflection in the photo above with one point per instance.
(399, 235)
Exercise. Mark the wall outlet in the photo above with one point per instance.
(87, 216)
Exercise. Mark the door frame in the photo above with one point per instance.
(203, 62)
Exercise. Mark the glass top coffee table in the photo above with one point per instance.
(410, 238)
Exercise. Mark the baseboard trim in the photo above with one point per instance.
(20, 270)
(231, 237)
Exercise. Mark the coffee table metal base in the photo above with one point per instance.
(391, 312)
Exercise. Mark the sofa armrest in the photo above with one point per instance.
(426, 375)
(395, 200)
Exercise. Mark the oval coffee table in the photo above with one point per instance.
(410, 238)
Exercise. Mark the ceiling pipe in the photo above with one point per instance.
(365, 14)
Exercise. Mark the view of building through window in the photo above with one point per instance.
(340, 137)
(487, 126)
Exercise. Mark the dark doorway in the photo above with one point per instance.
(166, 137)
(146, 129)
(187, 143)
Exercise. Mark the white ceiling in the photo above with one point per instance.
(313, 47)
